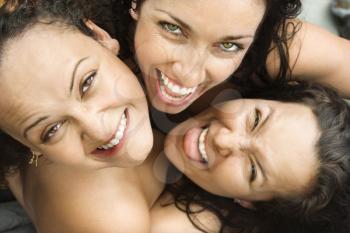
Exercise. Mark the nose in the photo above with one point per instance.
(94, 127)
(227, 142)
(190, 66)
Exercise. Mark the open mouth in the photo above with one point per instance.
(119, 135)
(194, 144)
(172, 92)
(201, 146)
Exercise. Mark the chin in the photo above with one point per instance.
(162, 107)
(135, 159)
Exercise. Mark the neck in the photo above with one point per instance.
(152, 173)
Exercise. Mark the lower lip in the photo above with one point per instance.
(114, 150)
(180, 103)
(190, 144)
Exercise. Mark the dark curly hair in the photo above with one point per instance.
(18, 16)
(325, 209)
(274, 32)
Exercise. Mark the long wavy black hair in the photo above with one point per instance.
(325, 209)
(17, 16)
(275, 32)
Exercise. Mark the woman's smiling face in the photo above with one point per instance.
(186, 47)
(248, 149)
(70, 98)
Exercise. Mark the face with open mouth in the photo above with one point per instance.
(182, 57)
(248, 149)
(84, 108)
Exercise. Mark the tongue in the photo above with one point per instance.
(191, 144)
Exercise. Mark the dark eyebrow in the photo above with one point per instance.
(74, 73)
(230, 38)
(33, 125)
(179, 21)
(188, 27)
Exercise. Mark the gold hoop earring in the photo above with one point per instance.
(34, 159)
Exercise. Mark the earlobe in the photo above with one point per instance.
(133, 10)
(244, 204)
(103, 37)
(134, 14)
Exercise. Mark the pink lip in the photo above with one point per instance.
(190, 144)
(114, 150)
(183, 102)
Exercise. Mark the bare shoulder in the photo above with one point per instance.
(86, 204)
(168, 218)
(318, 55)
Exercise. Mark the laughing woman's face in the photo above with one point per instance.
(248, 149)
(186, 47)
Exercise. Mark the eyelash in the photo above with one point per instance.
(236, 47)
(88, 81)
(253, 171)
(257, 119)
(51, 132)
(166, 25)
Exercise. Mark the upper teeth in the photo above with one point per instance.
(118, 135)
(176, 89)
(201, 145)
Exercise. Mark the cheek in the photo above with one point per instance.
(130, 90)
(221, 69)
(151, 49)
(230, 178)
(71, 153)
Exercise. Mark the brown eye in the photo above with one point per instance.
(51, 132)
(256, 119)
(85, 86)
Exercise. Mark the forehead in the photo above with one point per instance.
(289, 147)
(224, 14)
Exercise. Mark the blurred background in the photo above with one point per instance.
(333, 15)
(319, 12)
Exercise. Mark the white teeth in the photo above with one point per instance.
(201, 145)
(174, 98)
(176, 89)
(118, 135)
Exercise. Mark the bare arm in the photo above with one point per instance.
(318, 55)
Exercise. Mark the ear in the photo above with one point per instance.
(244, 204)
(103, 37)
(133, 10)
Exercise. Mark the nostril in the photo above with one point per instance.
(222, 142)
